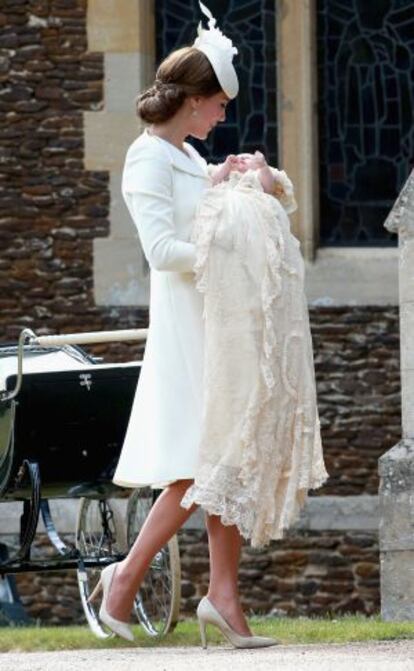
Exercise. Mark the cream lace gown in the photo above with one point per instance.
(260, 449)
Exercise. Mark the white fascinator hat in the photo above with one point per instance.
(220, 51)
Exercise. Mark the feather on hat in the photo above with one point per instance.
(219, 50)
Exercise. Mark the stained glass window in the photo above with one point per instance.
(251, 25)
(366, 103)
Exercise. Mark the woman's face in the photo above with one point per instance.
(210, 111)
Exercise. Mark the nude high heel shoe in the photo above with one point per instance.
(207, 614)
(104, 584)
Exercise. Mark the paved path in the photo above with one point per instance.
(388, 656)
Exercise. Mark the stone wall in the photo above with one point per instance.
(357, 366)
(51, 208)
(307, 573)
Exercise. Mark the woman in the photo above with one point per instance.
(163, 180)
(164, 183)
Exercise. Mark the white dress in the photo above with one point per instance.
(162, 187)
(260, 449)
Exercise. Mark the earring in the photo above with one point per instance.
(194, 113)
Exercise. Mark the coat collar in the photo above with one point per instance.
(196, 165)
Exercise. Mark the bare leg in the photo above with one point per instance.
(225, 545)
(164, 519)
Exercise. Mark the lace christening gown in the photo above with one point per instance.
(260, 448)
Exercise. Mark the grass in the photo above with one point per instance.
(289, 631)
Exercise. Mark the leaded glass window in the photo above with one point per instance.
(251, 25)
(366, 103)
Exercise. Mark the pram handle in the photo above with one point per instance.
(89, 338)
(27, 336)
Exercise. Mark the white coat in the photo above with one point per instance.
(162, 186)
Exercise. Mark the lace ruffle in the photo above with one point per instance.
(260, 450)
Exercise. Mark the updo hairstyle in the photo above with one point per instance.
(185, 72)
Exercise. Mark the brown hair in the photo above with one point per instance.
(185, 72)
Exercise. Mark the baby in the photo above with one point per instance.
(274, 182)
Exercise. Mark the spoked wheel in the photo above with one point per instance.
(157, 603)
(100, 534)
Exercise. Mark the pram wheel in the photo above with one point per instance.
(100, 535)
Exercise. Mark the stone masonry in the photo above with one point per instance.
(51, 208)
(396, 467)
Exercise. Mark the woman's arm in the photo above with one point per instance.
(147, 186)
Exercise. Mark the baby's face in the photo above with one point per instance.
(246, 160)
(251, 161)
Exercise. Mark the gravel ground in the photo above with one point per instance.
(395, 655)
